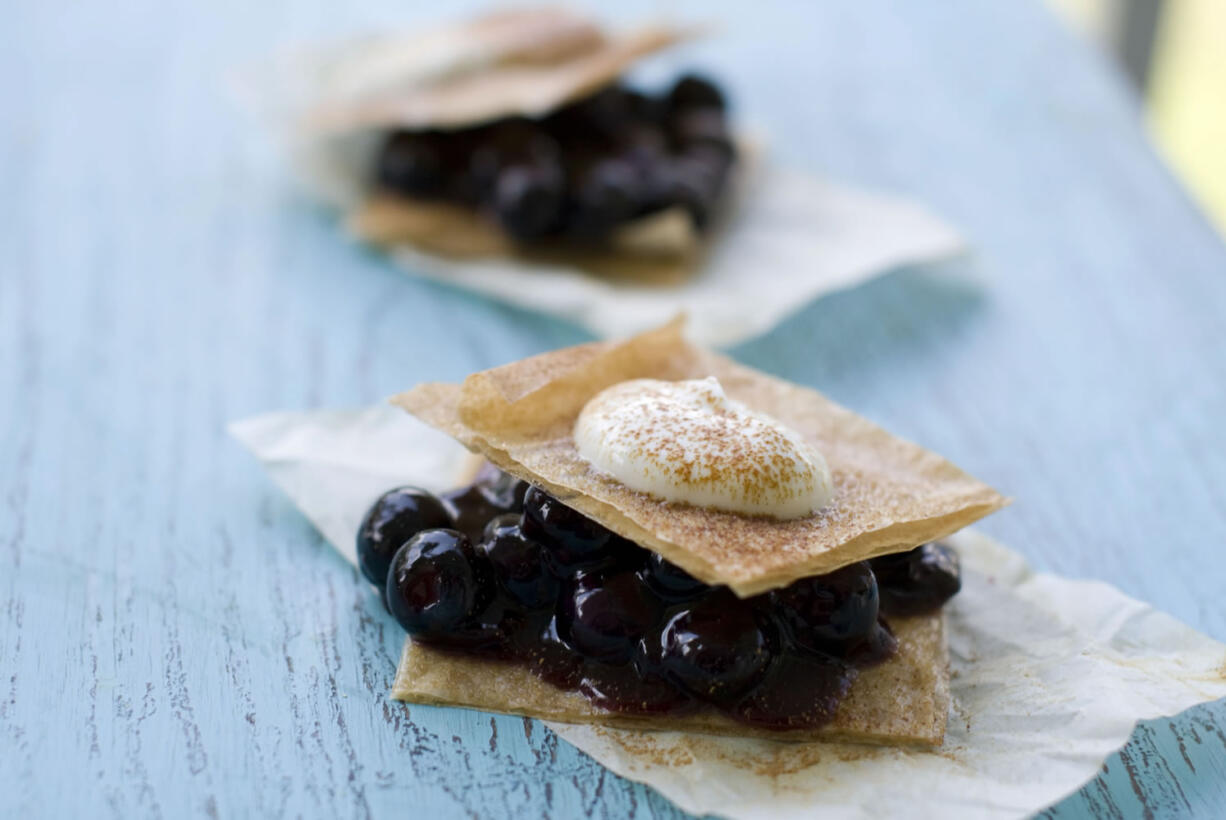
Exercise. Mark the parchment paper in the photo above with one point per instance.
(1050, 674)
(788, 238)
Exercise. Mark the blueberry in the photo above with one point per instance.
(518, 564)
(625, 555)
(643, 146)
(797, 691)
(503, 145)
(573, 540)
(643, 109)
(528, 199)
(693, 91)
(436, 584)
(491, 630)
(918, 581)
(505, 490)
(593, 121)
(553, 659)
(608, 193)
(830, 614)
(472, 507)
(670, 581)
(484, 165)
(879, 646)
(499, 524)
(716, 648)
(607, 111)
(701, 126)
(412, 163)
(394, 518)
(692, 179)
(604, 616)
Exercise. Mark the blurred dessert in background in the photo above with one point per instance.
(514, 133)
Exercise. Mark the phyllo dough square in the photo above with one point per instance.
(889, 495)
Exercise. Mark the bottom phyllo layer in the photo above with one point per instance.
(903, 701)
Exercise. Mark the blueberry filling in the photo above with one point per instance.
(396, 517)
(505, 571)
(669, 581)
(579, 172)
(716, 647)
(472, 507)
(919, 581)
(518, 564)
(832, 614)
(604, 615)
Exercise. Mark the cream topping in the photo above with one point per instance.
(688, 442)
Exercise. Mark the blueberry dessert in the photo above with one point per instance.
(506, 572)
(695, 546)
(576, 174)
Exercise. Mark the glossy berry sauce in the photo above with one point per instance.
(504, 571)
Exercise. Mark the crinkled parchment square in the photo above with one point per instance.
(889, 494)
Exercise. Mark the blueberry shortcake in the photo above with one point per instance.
(661, 538)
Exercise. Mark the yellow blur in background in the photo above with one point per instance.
(1185, 86)
(1187, 98)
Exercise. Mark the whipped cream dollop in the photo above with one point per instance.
(686, 441)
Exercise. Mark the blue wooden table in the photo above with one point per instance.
(174, 638)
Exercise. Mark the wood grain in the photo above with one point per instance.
(174, 638)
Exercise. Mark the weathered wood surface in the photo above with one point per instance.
(175, 640)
